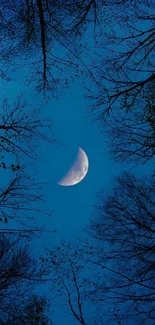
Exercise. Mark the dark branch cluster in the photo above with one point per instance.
(18, 277)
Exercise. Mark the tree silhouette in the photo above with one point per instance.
(42, 26)
(46, 28)
(20, 201)
(21, 132)
(33, 312)
(132, 135)
(124, 226)
(21, 129)
(69, 281)
(19, 273)
(126, 65)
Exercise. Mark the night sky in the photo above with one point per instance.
(72, 205)
(72, 127)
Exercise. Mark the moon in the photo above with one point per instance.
(78, 171)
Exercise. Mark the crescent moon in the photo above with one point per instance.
(78, 171)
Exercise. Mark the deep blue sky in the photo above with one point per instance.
(73, 127)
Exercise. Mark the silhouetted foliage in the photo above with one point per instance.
(126, 65)
(124, 226)
(21, 133)
(132, 135)
(43, 27)
(19, 274)
(21, 129)
(20, 202)
(70, 281)
(33, 311)
(48, 27)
